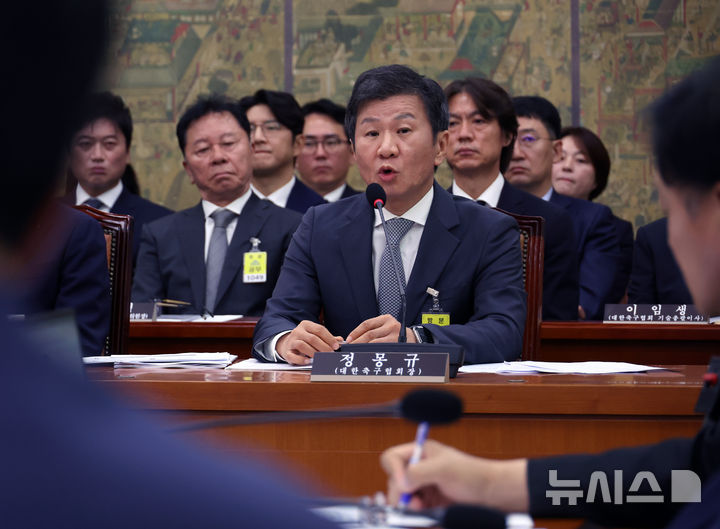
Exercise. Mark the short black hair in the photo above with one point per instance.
(326, 108)
(283, 106)
(384, 82)
(205, 105)
(592, 147)
(493, 103)
(106, 105)
(539, 108)
(685, 132)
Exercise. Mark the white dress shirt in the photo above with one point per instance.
(278, 197)
(491, 195)
(546, 196)
(236, 206)
(335, 194)
(108, 198)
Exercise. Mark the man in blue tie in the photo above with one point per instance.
(337, 269)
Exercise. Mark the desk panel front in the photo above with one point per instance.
(505, 416)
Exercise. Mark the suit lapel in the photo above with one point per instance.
(253, 216)
(437, 246)
(191, 238)
(356, 227)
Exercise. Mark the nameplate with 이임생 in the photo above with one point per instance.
(380, 367)
(655, 313)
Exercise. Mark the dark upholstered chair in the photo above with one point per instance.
(532, 244)
(118, 233)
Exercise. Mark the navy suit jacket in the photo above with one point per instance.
(656, 277)
(172, 258)
(626, 239)
(93, 463)
(302, 197)
(141, 210)
(598, 251)
(75, 275)
(560, 272)
(470, 254)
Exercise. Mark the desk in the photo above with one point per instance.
(559, 341)
(505, 416)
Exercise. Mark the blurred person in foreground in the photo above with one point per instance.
(684, 123)
(70, 456)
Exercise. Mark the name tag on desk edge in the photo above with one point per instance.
(380, 367)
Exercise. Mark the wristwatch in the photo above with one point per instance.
(421, 334)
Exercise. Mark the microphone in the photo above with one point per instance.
(433, 406)
(376, 196)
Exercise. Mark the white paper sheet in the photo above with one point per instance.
(580, 368)
(251, 364)
(165, 360)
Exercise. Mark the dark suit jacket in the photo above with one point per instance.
(598, 251)
(75, 275)
(93, 463)
(655, 276)
(141, 209)
(560, 274)
(470, 254)
(701, 455)
(172, 263)
(624, 230)
(302, 197)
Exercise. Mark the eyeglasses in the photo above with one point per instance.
(330, 144)
(528, 141)
(269, 128)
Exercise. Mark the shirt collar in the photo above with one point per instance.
(335, 194)
(236, 206)
(491, 195)
(418, 213)
(547, 195)
(280, 196)
(108, 198)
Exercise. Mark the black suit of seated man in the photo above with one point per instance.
(177, 252)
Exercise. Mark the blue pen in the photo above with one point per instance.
(420, 437)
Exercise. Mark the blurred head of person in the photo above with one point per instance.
(584, 165)
(326, 156)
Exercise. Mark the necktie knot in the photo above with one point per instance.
(94, 203)
(397, 228)
(222, 217)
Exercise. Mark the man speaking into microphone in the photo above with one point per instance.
(459, 263)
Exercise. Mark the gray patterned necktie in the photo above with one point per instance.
(216, 255)
(94, 203)
(388, 289)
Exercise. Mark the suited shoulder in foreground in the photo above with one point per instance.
(193, 255)
(397, 121)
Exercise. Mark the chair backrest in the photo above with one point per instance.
(118, 239)
(532, 244)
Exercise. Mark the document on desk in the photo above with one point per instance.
(165, 360)
(355, 517)
(199, 318)
(251, 364)
(575, 368)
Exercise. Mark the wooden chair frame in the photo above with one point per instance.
(118, 239)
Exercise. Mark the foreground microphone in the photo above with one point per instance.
(376, 196)
(426, 405)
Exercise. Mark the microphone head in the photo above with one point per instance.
(375, 193)
(472, 516)
(433, 406)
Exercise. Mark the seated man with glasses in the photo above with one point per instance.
(326, 155)
(536, 148)
(276, 125)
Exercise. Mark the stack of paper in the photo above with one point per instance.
(582, 368)
(165, 360)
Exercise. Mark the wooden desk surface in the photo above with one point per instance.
(559, 341)
(505, 416)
